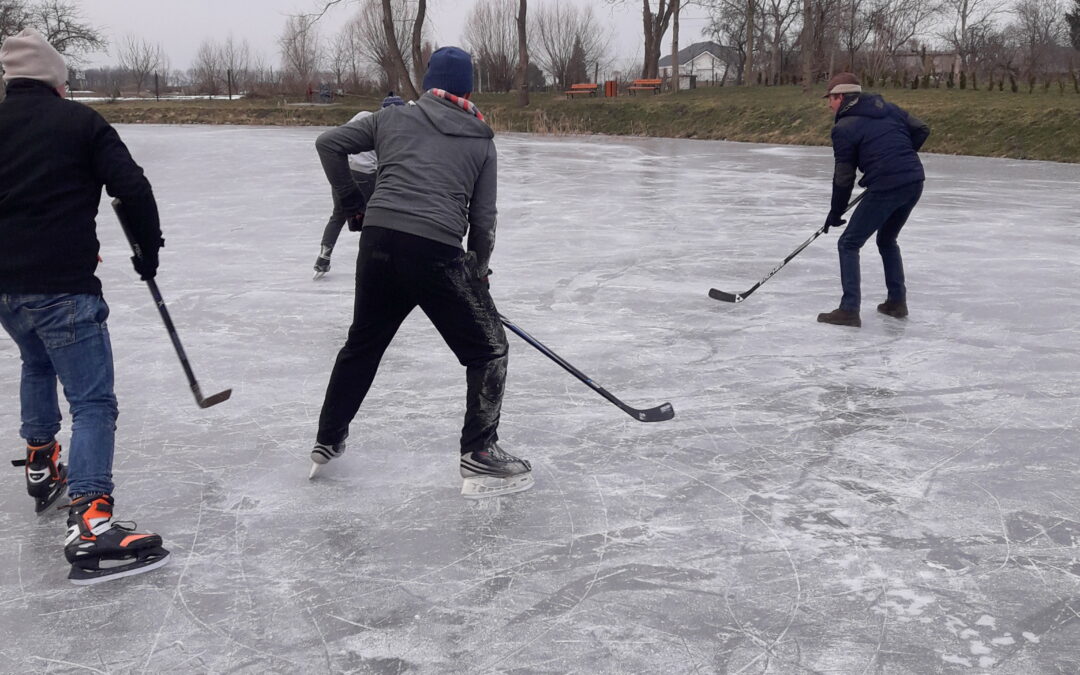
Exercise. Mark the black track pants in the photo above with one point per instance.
(395, 272)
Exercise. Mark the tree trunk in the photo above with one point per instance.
(395, 51)
(748, 70)
(676, 70)
(807, 40)
(523, 56)
(419, 67)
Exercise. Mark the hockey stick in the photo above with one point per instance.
(204, 402)
(658, 414)
(716, 294)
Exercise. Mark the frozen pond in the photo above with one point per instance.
(901, 498)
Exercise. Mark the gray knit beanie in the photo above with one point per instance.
(30, 55)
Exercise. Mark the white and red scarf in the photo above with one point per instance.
(463, 103)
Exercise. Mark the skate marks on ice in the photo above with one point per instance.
(897, 499)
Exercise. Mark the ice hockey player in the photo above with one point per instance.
(55, 155)
(363, 166)
(437, 183)
(883, 141)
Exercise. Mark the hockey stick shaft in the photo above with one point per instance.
(203, 402)
(739, 297)
(658, 414)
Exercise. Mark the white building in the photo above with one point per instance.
(708, 61)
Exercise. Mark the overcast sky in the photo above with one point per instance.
(180, 25)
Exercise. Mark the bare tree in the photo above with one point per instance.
(369, 39)
(778, 16)
(235, 60)
(523, 53)
(896, 23)
(62, 25)
(207, 71)
(655, 24)
(727, 26)
(560, 31)
(300, 52)
(13, 16)
(970, 20)
(1039, 29)
(855, 23)
(139, 57)
(491, 35)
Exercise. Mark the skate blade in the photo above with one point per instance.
(481, 487)
(315, 466)
(318, 275)
(81, 577)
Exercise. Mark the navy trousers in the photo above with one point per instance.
(884, 213)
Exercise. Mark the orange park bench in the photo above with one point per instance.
(644, 85)
(582, 89)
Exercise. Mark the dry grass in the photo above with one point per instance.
(1041, 125)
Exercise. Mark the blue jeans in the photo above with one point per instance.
(884, 213)
(64, 336)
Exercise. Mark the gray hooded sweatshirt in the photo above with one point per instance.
(436, 177)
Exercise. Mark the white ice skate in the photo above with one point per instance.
(492, 472)
(322, 453)
(322, 263)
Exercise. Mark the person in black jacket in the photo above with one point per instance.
(883, 141)
(55, 156)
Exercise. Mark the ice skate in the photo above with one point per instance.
(46, 476)
(893, 309)
(322, 453)
(100, 550)
(322, 263)
(492, 472)
(840, 317)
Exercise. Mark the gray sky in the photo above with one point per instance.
(180, 25)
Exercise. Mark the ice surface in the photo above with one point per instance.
(826, 499)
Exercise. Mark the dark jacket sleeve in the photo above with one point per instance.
(846, 157)
(917, 128)
(482, 211)
(334, 147)
(123, 178)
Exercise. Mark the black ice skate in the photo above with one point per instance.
(322, 263)
(100, 550)
(492, 472)
(46, 477)
(322, 453)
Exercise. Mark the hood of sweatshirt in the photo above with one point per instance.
(866, 105)
(452, 120)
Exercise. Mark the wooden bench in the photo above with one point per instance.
(582, 89)
(645, 85)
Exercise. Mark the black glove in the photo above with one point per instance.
(833, 220)
(146, 263)
(473, 268)
(356, 222)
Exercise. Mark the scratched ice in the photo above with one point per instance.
(826, 499)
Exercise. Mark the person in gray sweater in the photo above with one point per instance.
(435, 188)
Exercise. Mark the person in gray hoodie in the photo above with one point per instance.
(435, 188)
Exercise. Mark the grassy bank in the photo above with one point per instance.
(1042, 125)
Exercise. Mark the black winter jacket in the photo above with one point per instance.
(55, 155)
(880, 139)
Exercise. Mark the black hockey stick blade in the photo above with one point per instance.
(219, 397)
(660, 413)
(717, 294)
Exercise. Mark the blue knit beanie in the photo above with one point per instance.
(451, 69)
(392, 99)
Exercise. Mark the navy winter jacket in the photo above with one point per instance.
(55, 155)
(881, 140)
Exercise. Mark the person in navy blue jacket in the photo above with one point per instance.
(882, 141)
